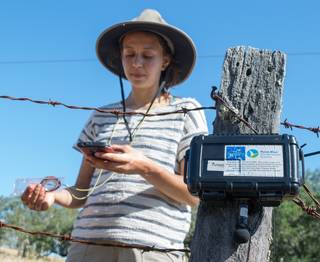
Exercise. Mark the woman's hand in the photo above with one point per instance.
(36, 197)
(121, 159)
(127, 160)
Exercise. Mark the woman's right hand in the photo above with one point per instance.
(36, 197)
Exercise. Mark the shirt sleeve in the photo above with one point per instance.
(194, 124)
(87, 134)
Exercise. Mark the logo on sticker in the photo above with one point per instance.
(253, 153)
(235, 153)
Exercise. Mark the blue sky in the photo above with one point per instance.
(40, 41)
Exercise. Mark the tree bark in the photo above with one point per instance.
(252, 84)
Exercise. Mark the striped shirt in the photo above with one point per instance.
(128, 208)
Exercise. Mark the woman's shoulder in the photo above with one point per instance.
(103, 111)
(115, 105)
(187, 102)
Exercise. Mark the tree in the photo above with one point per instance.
(2, 205)
(296, 234)
(313, 179)
(56, 220)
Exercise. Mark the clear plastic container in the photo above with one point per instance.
(50, 184)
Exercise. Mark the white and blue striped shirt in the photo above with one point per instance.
(127, 208)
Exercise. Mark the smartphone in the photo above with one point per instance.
(91, 147)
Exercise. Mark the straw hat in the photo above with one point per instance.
(180, 44)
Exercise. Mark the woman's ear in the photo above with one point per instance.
(166, 62)
(164, 67)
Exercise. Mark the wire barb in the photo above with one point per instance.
(311, 194)
(312, 211)
(287, 124)
(218, 98)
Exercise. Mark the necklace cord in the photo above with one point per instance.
(132, 133)
(96, 185)
(124, 108)
(162, 86)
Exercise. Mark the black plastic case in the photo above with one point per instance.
(215, 185)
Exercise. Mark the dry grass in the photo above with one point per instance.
(11, 255)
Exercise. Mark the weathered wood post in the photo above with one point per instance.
(252, 83)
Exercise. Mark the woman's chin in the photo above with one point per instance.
(139, 83)
(137, 80)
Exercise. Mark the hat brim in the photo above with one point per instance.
(108, 49)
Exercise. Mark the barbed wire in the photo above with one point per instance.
(309, 210)
(69, 238)
(109, 111)
(216, 97)
(183, 110)
(312, 211)
(287, 124)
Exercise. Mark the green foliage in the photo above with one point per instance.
(2, 205)
(296, 234)
(313, 180)
(56, 220)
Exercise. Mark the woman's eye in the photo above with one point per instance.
(131, 55)
(148, 56)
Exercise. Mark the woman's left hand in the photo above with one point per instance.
(121, 159)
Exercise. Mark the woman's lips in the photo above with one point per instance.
(137, 75)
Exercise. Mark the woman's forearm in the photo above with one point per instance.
(71, 197)
(65, 198)
(169, 184)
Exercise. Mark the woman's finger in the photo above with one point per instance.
(35, 195)
(41, 199)
(114, 166)
(112, 157)
(25, 197)
(121, 148)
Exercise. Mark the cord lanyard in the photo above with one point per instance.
(52, 183)
(131, 135)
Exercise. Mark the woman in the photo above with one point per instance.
(135, 192)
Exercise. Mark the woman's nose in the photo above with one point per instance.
(137, 61)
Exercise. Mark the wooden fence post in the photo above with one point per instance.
(252, 83)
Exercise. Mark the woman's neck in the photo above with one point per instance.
(142, 100)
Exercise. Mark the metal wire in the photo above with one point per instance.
(309, 210)
(315, 130)
(71, 239)
(183, 110)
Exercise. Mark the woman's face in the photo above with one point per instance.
(143, 59)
